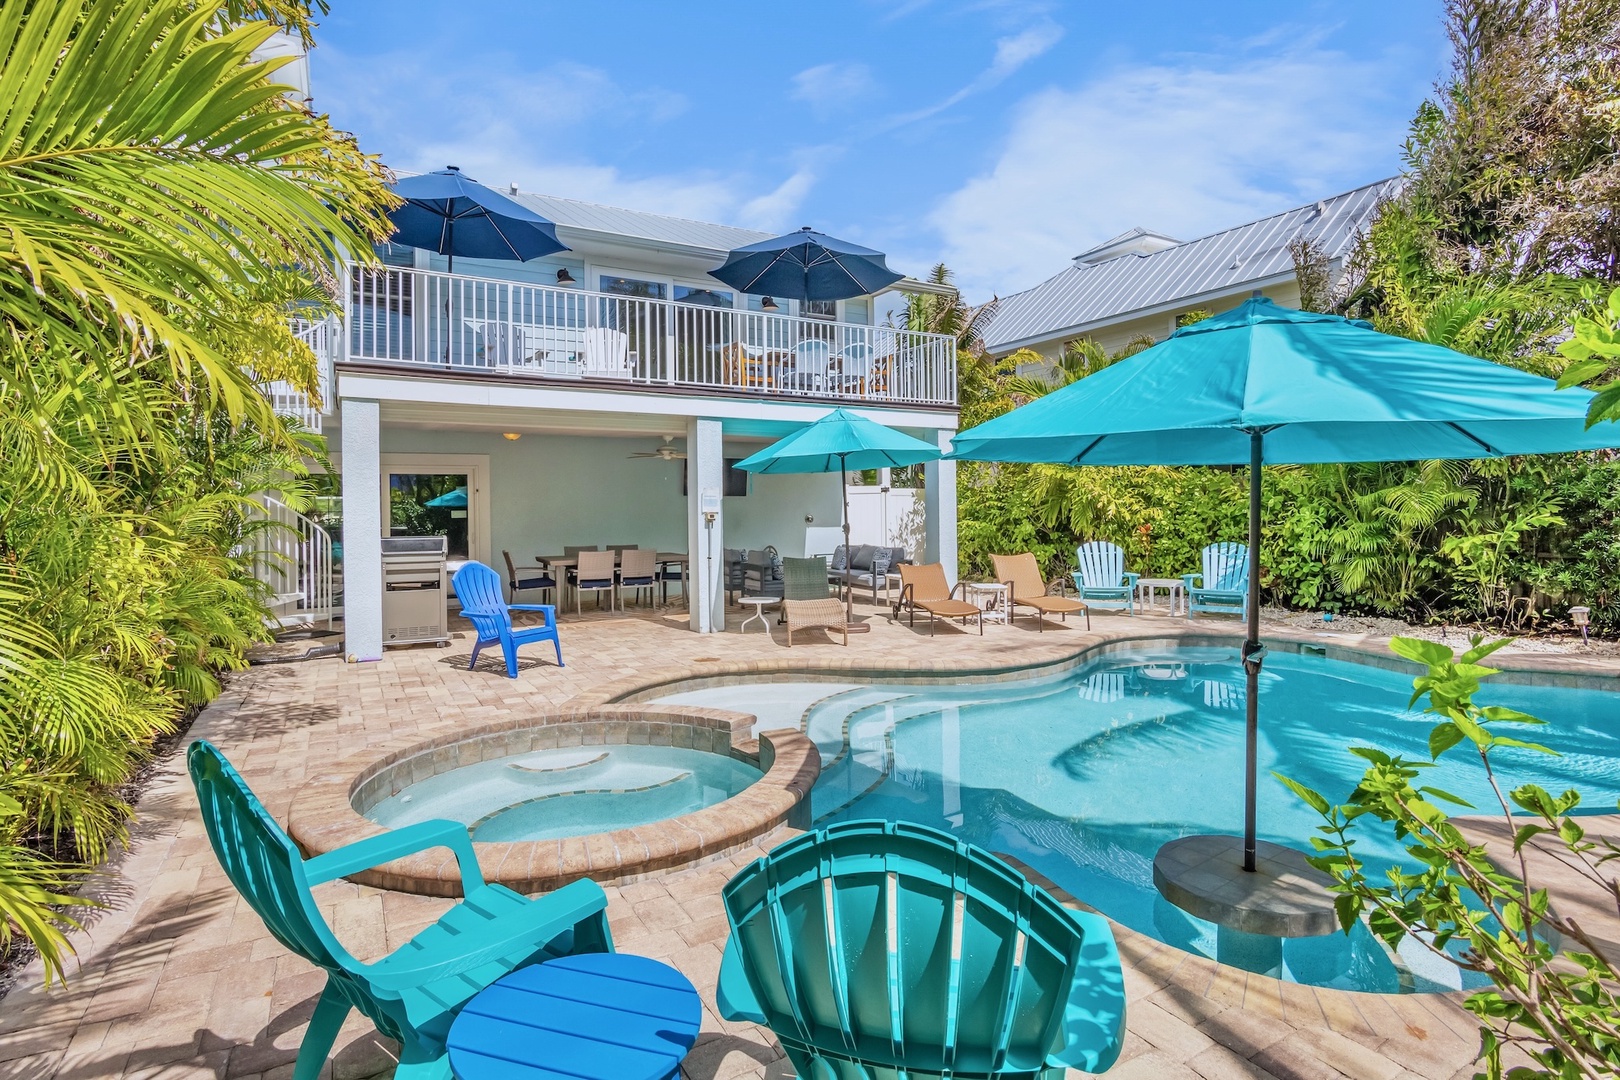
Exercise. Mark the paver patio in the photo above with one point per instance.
(178, 978)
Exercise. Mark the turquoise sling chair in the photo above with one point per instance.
(879, 950)
(479, 590)
(413, 993)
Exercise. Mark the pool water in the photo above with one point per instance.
(549, 794)
(1084, 776)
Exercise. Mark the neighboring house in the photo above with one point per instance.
(597, 397)
(1140, 282)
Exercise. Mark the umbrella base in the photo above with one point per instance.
(1283, 897)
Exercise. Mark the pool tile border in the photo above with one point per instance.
(326, 812)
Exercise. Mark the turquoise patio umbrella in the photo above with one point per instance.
(450, 500)
(841, 440)
(1263, 384)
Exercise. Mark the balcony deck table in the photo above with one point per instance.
(1172, 588)
(595, 1016)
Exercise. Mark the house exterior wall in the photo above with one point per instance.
(547, 491)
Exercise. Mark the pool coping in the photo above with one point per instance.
(323, 816)
(1534, 669)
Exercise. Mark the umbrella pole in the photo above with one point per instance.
(1253, 654)
(843, 490)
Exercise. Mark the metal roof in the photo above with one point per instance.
(613, 220)
(1083, 296)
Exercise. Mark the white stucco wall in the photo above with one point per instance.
(550, 490)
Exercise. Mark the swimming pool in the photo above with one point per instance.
(1085, 775)
(550, 794)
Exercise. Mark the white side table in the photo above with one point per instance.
(759, 604)
(1172, 587)
(991, 597)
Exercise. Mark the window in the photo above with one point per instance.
(691, 294)
(819, 309)
(624, 286)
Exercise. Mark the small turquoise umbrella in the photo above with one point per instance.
(450, 500)
(841, 440)
(1263, 384)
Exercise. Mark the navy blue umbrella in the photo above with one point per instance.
(806, 265)
(456, 215)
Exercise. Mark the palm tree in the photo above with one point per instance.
(158, 192)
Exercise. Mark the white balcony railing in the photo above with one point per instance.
(450, 322)
(288, 400)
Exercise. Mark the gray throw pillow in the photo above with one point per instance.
(840, 558)
(863, 557)
(880, 563)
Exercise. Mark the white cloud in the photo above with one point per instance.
(1011, 54)
(528, 128)
(827, 88)
(1183, 150)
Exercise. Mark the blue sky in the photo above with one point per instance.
(1002, 137)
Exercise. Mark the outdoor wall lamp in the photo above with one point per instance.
(1583, 619)
(768, 304)
(564, 277)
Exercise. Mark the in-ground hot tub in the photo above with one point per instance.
(610, 793)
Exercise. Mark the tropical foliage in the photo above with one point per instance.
(1475, 904)
(164, 207)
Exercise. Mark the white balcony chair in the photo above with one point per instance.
(607, 354)
(810, 361)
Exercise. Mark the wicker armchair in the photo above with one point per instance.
(806, 601)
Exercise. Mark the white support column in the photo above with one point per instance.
(939, 510)
(705, 533)
(362, 529)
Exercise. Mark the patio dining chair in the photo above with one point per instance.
(1027, 588)
(597, 572)
(638, 570)
(810, 361)
(887, 949)
(1102, 580)
(524, 578)
(479, 590)
(1223, 586)
(414, 992)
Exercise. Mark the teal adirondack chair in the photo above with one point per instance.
(878, 949)
(1102, 579)
(1224, 585)
(413, 993)
(479, 590)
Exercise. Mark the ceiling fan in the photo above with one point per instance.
(667, 452)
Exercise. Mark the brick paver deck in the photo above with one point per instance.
(178, 978)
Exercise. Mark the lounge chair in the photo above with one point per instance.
(414, 992)
(881, 949)
(1223, 586)
(1026, 588)
(807, 602)
(1102, 580)
(924, 586)
(479, 590)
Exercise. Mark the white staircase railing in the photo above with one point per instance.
(292, 555)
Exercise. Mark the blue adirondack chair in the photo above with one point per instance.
(1224, 585)
(413, 993)
(479, 590)
(1102, 579)
(872, 947)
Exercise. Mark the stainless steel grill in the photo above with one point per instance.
(415, 590)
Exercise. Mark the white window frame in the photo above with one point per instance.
(475, 467)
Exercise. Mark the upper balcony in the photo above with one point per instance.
(451, 323)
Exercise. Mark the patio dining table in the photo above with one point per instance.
(560, 564)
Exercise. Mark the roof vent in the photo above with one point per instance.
(512, 188)
(1321, 208)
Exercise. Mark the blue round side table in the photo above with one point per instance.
(596, 1016)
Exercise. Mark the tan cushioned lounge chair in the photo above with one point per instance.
(1026, 588)
(924, 587)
